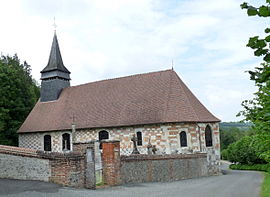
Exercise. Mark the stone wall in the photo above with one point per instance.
(161, 168)
(164, 136)
(69, 169)
(150, 168)
(18, 167)
(36, 141)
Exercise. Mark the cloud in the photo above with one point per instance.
(105, 39)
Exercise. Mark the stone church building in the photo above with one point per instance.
(157, 107)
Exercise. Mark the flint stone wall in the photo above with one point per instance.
(162, 168)
(17, 167)
(69, 169)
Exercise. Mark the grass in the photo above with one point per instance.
(265, 188)
(100, 184)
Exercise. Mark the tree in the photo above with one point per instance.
(18, 94)
(250, 149)
(259, 45)
(230, 135)
(257, 110)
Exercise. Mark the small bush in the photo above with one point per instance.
(266, 156)
(224, 154)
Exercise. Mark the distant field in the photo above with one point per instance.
(239, 125)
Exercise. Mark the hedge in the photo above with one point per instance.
(257, 167)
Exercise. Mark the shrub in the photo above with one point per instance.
(257, 167)
(250, 150)
(224, 154)
(265, 156)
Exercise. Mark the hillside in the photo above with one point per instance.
(240, 125)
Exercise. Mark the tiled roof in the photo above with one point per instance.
(157, 97)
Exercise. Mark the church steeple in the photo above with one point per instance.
(55, 59)
(55, 76)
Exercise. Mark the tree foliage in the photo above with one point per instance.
(250, 149)
(260, 45)
(18, 94)
(256, 148)
(257, 110)
(230, 135)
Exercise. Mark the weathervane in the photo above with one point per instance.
(54, 24)
(172, 64)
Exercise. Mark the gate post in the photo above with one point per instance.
(111, 162)
(87, 148)
(90, 174)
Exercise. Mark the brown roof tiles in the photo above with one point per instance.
(157, 97)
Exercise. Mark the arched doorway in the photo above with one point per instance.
(102, 135)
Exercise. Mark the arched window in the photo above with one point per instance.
(47, 143)
(139, 138)
(208, 136)
(66, 141)
(183, 139)
(102, 135)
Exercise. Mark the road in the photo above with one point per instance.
(231, 184)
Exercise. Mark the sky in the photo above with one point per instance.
(204, 40)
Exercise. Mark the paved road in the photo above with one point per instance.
(232, 184)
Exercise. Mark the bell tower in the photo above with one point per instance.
(55, 76)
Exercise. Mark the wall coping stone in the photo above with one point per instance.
(142, 157)
(27, 152)
(109, 141)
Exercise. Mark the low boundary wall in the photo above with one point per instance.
(69, 169)
(150, 168)
(161, 168)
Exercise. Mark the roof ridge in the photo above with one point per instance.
(134, 75)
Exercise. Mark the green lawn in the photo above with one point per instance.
(265, 189)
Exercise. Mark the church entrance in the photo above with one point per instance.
(102, 135)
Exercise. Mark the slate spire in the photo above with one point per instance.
(55, 60)
(55, 76)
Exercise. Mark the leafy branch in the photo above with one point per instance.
(261, 46)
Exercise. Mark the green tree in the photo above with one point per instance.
(230, 135)
(18, 94)
(257, 110)
(250, 149)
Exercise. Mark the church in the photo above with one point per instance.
(156, 107)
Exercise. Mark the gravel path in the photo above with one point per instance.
(231, 184)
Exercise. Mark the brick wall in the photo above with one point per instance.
(67, 169)
(164, 136)
(150, 168)
(111, 162)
